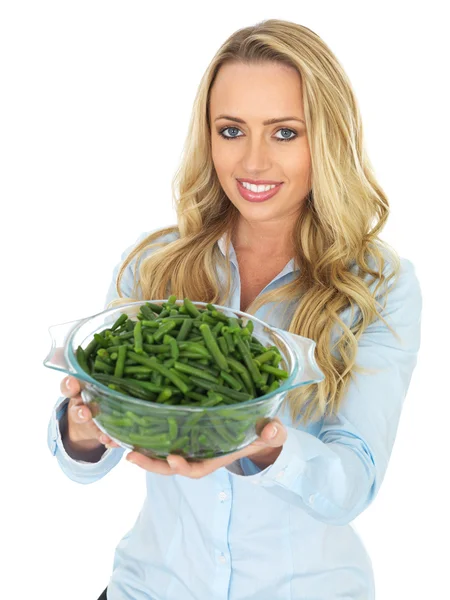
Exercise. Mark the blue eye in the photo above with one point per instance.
(231, 137)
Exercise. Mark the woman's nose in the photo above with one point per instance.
(256, 156)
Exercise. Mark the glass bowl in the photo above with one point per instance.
(195, 432)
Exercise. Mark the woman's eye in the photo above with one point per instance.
(279, 139)
(228, 137)
(286, 139)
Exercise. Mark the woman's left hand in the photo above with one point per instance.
(263, 452)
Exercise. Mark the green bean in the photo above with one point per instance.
(264, 378)
(193, 371)
(191, 308)
(138, 337)
(115, 421)
(223, 345)
(81, 358)
(248, 382)
(149, 339)
(236, 365)
(157, 348)
(235, 395)
(120, 321)
(207, 319)
(212, 346)
(180, 444)
(193, 355)
(169, 373)
(281, 373)
(156, 442)
(184, 330)
(191, 421)
(232, 381)
(104, 356)
(101, 340)
(249, 326)
(265, 357)
(101, 366)
(195, 396)
(132, 370)
(173, 428)
(161, 332)
(164, 395)
(220, 429)
(150, 324)
(213, 399)
(195, 432)
(218, 315)
(204, 366)
(147, 313)
(229, 340)
(183, 376)
(248, 359)
(90, 348)
(154, 307)
(130, 386)
(128, 335)
(195, 347)
(174, 349)
(272, 387)
(146, 385)
(120, 363)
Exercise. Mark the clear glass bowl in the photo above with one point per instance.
(194, 432)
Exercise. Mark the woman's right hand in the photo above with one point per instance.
(82, 433)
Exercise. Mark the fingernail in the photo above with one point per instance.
(172, 464)
(273, 433)
(68, 383)
(80, 413)
(103, 439)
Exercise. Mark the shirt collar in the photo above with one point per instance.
(222, 243)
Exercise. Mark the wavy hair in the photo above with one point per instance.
(342, 262)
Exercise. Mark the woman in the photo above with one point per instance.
(272, 521)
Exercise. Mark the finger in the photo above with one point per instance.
(70, 387)
(107, 441)
(153, 465)
(78, 412)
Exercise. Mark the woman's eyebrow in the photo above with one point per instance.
(268, 122)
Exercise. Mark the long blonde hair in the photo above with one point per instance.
(336, 241)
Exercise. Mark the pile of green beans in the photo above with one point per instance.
(178, 354)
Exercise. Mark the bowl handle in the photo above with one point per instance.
(303, 348)
(56, 358)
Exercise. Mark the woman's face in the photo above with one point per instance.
(245, 148)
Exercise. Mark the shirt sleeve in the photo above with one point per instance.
(335, 475)
(78, 470)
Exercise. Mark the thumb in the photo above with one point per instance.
(274, 434)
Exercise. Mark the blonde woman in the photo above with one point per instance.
(300, 251)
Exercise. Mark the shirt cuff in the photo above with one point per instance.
(298, 448)
(78, 470)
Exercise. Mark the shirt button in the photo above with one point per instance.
(311, 499)
(280, 475)
(222, 496)
(222, 559)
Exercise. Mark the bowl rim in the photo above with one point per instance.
(72, 361)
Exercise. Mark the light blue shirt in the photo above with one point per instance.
(282, 533)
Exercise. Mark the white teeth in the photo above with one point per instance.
(257, 188)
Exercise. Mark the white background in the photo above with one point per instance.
(95, 101)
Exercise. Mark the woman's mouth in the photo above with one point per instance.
(253, 196)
